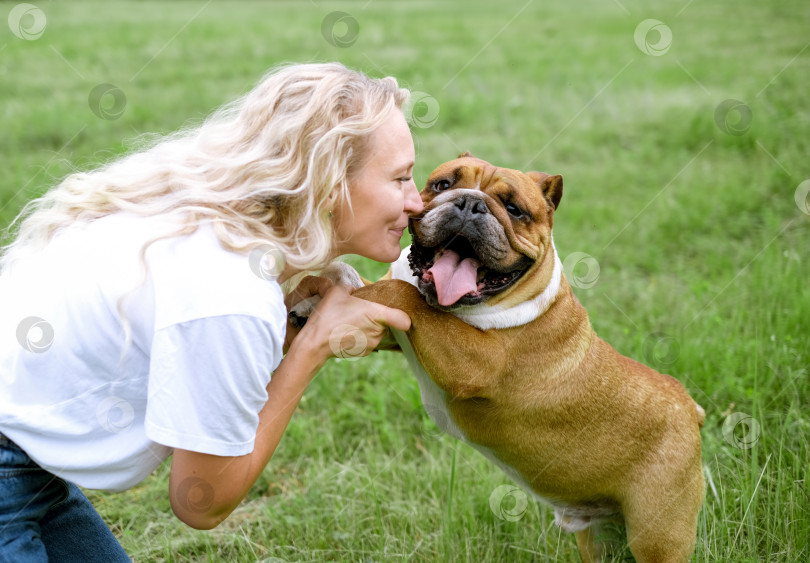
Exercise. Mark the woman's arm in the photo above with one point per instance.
(204, 489)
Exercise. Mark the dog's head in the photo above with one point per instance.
(482, 229)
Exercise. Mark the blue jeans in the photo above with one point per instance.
(45, 518)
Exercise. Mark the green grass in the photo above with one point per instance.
(701, 247)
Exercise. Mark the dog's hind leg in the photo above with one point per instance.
(664, 529)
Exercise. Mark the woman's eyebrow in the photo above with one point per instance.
(405, 167)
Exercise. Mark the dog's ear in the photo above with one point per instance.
(465, 153)
(552, 186)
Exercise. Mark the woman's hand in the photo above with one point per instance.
(344, 326)
(341, 325)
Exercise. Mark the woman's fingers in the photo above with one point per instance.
(342, 321)
(375, 314)
(396, 318)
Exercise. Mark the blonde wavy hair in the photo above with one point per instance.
(266, 168)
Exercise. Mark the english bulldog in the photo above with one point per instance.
(508, 362)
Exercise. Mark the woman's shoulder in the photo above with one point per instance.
(195, 276)
(187, 269)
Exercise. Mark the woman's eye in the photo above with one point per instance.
(441, 185)
(513, 210)
(405, 180)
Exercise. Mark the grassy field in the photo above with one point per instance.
(685, 222)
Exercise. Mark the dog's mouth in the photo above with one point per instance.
(453, 274)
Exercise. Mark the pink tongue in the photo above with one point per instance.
(453, 279)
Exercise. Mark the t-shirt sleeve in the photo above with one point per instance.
(207, 382)
(217, 336)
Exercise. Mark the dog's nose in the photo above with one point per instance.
(472, 204)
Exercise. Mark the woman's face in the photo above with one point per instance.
(383, 195)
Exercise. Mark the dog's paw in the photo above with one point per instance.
(299, 314)
(340, 273)
(343, 274)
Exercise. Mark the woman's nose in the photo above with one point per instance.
(413, 201)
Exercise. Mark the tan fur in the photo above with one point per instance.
(584, 426)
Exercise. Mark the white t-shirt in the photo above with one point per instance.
(206, 334)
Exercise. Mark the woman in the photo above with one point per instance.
(142, 311)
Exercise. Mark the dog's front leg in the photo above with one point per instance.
(462, 360)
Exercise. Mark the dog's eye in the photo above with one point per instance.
(441, 185)
(514, 210)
